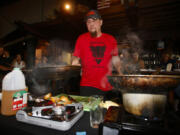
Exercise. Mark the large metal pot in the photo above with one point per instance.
(144, 95)
(146, 105)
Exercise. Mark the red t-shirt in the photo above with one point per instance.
(96, 55)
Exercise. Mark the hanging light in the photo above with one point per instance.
(67, 6)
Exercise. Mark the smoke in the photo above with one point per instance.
(55, 54)
(46, 65)
(135, 42)
(131, 52)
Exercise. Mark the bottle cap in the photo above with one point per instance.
(16, 68)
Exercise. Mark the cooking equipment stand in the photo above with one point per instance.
(126, 123)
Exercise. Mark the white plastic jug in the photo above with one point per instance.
(14, 92)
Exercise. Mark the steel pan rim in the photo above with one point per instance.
(148, 76)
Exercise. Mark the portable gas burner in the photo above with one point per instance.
(52, 117)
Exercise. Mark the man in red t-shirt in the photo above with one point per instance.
(96, 52)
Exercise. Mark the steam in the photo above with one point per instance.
(41, 88)
(134, 45)
(55, 52)
(135, 42)
(52, 58)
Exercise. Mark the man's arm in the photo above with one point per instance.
(117, 64)
(76, 61)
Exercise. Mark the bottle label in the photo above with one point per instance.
(19, 100)
(169, 67)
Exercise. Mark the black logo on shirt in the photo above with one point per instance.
(98, 52)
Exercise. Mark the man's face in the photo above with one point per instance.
(94, 26)
(18, 57)
(135, 56)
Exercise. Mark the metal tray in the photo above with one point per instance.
(22, 116)
(63, 125)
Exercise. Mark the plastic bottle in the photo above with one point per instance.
(14, 92)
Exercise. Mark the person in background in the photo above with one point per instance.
(139, 63)
(167, 63)
(4, 68)
(18, 62)
(41, 61)
(131, 63)
(126, 61)
(7, 58)
(96, 52)
(3, 64)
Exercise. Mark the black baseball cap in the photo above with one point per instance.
(94, 14)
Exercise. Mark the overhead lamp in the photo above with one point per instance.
(67, 6)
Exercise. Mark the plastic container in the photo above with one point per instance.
(14, 92)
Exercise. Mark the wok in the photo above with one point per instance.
(53, 72)
(145, 95)
(144, 83)
(40, 79)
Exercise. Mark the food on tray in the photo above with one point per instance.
(54, 99)
(43, 103)
(65, 100)
(60, 99)
(60, 107)
(38, 100)
(53, 112)
(47, 96)
(58, 110)
(87, 102)
(107, 104)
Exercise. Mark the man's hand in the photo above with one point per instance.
(117, 64)
(76, 61)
